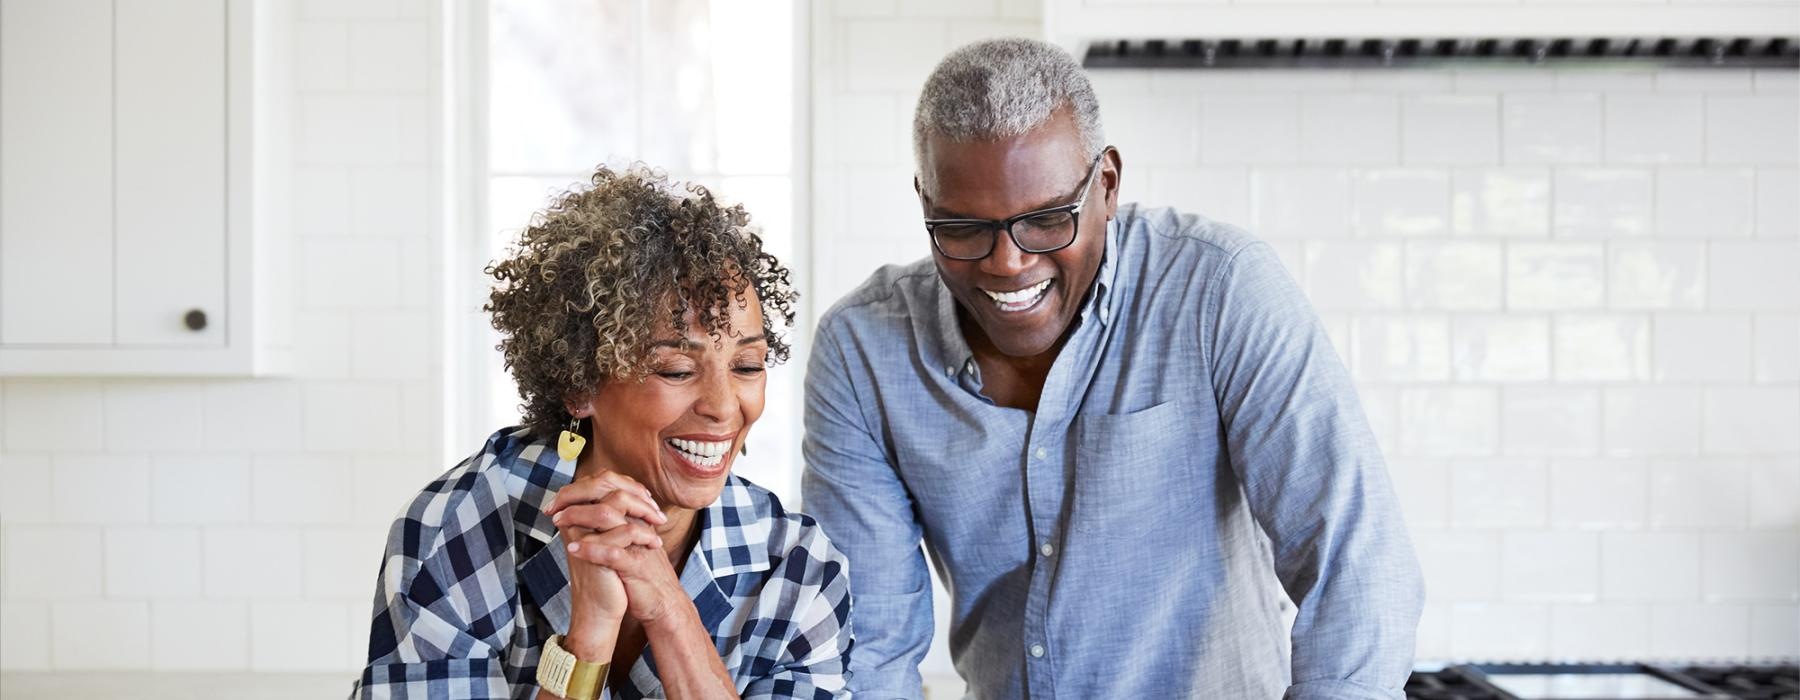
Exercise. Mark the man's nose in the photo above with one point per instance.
(1006, 259)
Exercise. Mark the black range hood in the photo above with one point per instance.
(1425, 52)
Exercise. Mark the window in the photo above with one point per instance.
(701, 89)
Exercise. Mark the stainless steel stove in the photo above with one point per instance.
(1770, 681)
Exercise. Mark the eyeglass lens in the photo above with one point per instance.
(1041, 233)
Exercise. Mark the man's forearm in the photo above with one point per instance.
(1358, 648)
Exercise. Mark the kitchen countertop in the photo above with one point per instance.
(146, 685)
(175, 685)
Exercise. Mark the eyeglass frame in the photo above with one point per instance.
(994, 226)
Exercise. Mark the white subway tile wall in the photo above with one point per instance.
(1599, 631)
(199, 635)
(237, 524)
(76, 645)
(1568, 298)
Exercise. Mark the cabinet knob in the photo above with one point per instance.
(195, 320)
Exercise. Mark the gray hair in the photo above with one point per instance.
(1004, 88)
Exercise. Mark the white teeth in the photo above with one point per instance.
(705, 454)
(1018, 297)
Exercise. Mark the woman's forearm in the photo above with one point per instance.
(686, 660)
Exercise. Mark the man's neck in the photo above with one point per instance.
(1010, 381)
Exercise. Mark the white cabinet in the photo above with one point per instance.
(138, 225)
(56, 172)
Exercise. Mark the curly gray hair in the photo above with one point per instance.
(1003, 88)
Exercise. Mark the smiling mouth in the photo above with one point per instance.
(1021, 299)
(705, 455)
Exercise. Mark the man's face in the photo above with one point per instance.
(999, 179)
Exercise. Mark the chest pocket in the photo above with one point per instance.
(1134, 471)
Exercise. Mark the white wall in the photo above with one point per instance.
(1593, 409)
(1569, 299)
(238, 524)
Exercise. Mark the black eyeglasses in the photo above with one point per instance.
(1042, 231)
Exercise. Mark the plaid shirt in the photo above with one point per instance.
(475, 580)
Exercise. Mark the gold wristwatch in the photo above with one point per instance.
(567, 677)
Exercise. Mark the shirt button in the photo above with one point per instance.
(1042, 453)
(950, 370)
(1037, 650)
(1047, 549)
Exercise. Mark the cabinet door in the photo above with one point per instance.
(170, 161)
(56, 172)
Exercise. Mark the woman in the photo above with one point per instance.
(605, 545)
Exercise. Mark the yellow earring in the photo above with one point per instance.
(569, 445)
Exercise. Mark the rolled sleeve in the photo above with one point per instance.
(449, 678)
(422, 641)
(1340, 690)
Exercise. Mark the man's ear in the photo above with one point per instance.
(1113, 174)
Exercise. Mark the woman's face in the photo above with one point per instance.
(677, 430)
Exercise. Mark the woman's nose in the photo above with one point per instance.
(716, 401)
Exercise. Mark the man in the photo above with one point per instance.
(1121, 432)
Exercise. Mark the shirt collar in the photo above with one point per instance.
(1105, 278)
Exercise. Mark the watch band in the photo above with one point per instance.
(568, 677)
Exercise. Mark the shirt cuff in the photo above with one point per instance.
(863, 692)
(1340, 690)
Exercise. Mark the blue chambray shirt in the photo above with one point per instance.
(1198, 457)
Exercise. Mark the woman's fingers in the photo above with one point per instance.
(585, 490)
(594, 488)
(617, 502)
(636, 505)
(589, 517)
(631, 534)
(600, 547)
(616, 509)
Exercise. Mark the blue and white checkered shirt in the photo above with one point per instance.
(475, 580)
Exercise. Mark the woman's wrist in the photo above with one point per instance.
(687, 662)
(592, 638)
(678, 614)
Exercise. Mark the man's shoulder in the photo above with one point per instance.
(887, 300)
(1170, 234)
(1169, 255)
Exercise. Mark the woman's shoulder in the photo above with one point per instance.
(790, 532)
(803, 584)
(474, 494)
